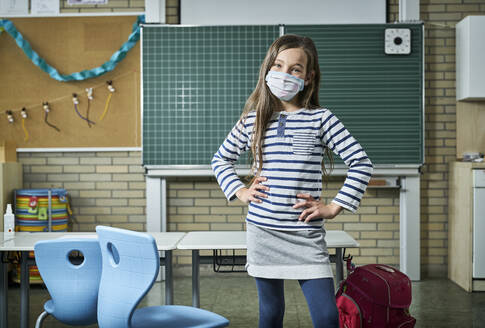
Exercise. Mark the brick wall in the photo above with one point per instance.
(172, 11)
(105, 187)
(199, 204)
(108, 188)
(440, 18)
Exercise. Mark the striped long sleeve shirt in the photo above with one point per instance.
(292, 151)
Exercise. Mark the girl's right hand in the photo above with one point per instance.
(251, 194)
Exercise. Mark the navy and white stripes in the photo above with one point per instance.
(292, 157)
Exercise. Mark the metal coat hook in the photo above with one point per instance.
(89, 94)
(23, 113)
(110, 86)
(47, 109)
(9, 116)
(75, 101)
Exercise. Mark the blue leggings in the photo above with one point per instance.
(319, 294)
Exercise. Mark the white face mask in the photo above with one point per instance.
(283, 85)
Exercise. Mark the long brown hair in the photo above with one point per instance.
(264, 103)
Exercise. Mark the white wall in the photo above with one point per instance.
(269, 12)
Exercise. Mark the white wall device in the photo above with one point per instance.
(470, 66)
(397, 41)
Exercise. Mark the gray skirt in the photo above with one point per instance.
(283, 254)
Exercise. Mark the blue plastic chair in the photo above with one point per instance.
(130, 267)
(73, 287)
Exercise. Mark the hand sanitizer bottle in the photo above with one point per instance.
(9, 221)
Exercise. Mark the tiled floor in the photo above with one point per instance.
(436, 303)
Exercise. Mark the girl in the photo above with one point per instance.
(288, 132)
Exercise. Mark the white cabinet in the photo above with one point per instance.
(470, 66)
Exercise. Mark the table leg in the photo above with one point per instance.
(3, 292)
(339, 265)
(195, 278)
(168, 278)
(409, 227)
(24, 290)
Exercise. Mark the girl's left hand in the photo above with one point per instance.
(316, 209)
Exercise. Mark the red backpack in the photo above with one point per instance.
(375, 295)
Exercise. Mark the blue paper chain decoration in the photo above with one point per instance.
(78, 76)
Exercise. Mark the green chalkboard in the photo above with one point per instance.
(196, 80)
(195, 83)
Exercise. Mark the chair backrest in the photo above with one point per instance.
(130, 266)
(73, 287)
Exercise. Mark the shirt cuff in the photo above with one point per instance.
(231, 196)
(348, 206)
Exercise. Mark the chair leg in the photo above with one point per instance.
(40, 319)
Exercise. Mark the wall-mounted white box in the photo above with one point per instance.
(470, 63)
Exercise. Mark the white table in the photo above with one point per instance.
(24, 242)
(203, 240)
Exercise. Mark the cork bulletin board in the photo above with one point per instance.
(70, 44)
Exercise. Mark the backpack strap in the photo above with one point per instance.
(350, 265)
